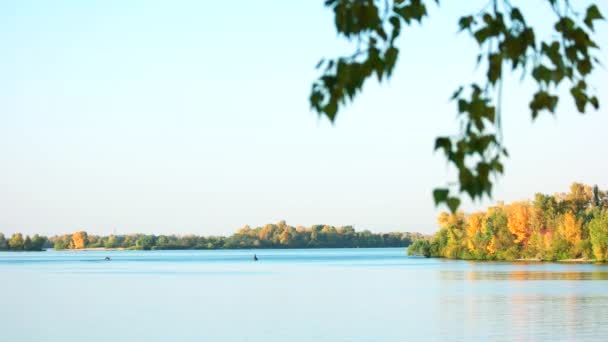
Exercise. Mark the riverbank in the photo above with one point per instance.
(93, 249)
(563, 261)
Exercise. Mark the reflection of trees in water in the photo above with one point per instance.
(499, 309)
(522, 275)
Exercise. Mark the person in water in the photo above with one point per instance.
(107, 259)
(255, 257)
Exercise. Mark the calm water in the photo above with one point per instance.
(295, 295)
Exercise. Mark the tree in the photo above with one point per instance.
(597, 199)
(145, 242)
(16, 242)
(571, 228)
(598, 231)
(454, 225)
(420, 247)
(505, 39)
(546, 230)
(285, 237)
(27, 243)
(518, 222)
(38, 242)
(79, 240)
(111, 242)
(63, 242)
(475, 235)
(94, 241)
(580, 197)
(280, 235)
(162, 242)
(3, 243)
(501, 240)
(267, 232)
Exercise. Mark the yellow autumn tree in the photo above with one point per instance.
(285, 237)
(571, 228)
(245, 230)
(328, 229)
(518, 222)
(473, 228)
(79, 240)
(491, 249)
(446, 220)
(454, 226)
(267, 232)
(580, 196)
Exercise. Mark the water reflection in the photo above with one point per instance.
(520, 313)
(475, 275)
(297, 296)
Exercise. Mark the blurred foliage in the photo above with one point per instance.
(506, 41)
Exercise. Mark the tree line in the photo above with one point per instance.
(279, 235)
(572, 225)
(18, 243)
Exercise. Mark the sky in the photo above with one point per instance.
(193, 117)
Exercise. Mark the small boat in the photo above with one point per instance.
(255, 257)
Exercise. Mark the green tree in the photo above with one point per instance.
(145, 242)
(38, 242)
(598, 230)
(16, 242)
(455, 225)
(502, 245)
(27, 243)
(3, 243)
(111, 242)
(566, 56)
(60, 244)
(420, 247)
(439, 242)
(162, 242)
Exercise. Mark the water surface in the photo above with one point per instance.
(295, 295)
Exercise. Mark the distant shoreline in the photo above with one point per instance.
(92, 249)
(539, 261)
(101, 249)
(563, 261)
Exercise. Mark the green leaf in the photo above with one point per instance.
(456, 93)
(516, 15)
(481, 35)
(444, 143)
(453, 203)
(593, 13)
(465, 22)
(440, 195)
(579, 95)
(495, 67)
(330, 110)
(321, 62)
(396, 27)
(390, 57)
(594, 102)
(543, 101)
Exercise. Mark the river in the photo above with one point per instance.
(295, 295)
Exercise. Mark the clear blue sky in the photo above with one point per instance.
(192, 117)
